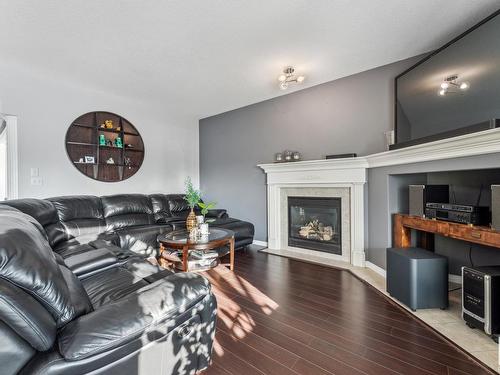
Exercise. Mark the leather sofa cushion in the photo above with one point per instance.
(111, 285)
(45, 213)
(28, 318)
(78, 207)
(142, 239)
(177, 203)
(27, 261)
(161, 207)
(125, 210)
(139, 313)
(85, 263)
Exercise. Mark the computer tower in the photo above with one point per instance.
(420, 195)
(481, 298)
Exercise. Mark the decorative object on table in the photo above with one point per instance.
(200, 219)
(118, 142)
(278, 157)
(341, 156)
(204, 210)
(192, 197)
(204, 231)
(110, 161)
(296, 156)
(92, 134)
(194, 233)
(89, 159)
(102, 140)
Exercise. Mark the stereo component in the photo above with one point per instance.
(481, 298)
(420, 195)
(458, 213)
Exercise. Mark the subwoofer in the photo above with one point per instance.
(420, 195)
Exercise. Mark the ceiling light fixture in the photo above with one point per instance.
(288, 77)
(451, 85)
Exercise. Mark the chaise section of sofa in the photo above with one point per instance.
(90, 311)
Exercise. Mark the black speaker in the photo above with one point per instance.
(420, 195)
(495, 207)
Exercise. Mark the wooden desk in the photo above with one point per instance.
(403, 224)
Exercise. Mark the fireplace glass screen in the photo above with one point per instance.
(315, 223)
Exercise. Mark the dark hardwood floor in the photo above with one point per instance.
(281, 316)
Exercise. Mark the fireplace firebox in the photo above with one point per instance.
(315, 223)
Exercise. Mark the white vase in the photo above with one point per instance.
(204, 229)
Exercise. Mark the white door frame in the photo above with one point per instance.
(12, 157)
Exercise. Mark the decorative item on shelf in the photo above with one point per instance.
(118, 142)
(102, 140)
(80, 160)
(128, 145)
(128, 162)
(192, 197)
(287, 156)
(110, 161)
(89, 159)
(118, 128)
(108, 124)
(109, 143)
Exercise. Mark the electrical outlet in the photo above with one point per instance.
(36, 181)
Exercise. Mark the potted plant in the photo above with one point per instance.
(204, 211)
(192, 196)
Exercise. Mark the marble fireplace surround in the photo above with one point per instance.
(344, 179)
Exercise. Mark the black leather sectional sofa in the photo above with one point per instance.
(78, 296)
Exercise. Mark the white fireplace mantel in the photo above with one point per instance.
(346, 173)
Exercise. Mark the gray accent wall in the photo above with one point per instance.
(343, 116)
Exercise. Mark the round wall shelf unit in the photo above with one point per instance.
(104, 146)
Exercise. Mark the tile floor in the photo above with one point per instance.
(448, 322)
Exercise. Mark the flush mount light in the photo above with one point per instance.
(451, 85)
(288, 77)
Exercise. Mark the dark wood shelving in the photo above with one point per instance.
(84, 132)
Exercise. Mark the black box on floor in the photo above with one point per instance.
(417, 277)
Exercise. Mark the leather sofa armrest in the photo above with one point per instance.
(88, 262)
(137, 314)
(217, 213)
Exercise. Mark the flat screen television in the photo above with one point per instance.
(455, 90)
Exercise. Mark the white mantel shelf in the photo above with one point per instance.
(474, 144)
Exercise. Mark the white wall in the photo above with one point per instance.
(46, 105)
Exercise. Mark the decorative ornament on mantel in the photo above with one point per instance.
(287, 156)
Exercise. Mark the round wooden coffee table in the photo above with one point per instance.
(180, 240)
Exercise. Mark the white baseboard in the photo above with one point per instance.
(457, 279)
(260, 243)
(375, 268)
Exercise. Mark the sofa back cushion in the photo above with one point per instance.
(125, 210)
(45, 213)
(27, 261)
(80, 216)
(161, 207)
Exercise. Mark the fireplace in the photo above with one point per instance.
(315, 223)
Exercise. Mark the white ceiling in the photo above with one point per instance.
(205, 57)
